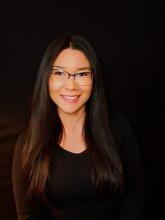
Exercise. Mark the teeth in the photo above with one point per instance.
(70, 97)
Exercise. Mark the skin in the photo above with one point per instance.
(71, 114)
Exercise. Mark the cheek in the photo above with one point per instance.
(54, 86)
(87, 92)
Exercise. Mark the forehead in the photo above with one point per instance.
(71, 58)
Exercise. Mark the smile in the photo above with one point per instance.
(70, 99)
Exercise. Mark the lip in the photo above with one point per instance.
(70, 100)
(69, 95)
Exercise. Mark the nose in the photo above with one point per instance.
(71, 83)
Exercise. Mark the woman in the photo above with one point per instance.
(75, 159)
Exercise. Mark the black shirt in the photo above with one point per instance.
(70, 192)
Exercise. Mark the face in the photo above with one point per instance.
(69, 96)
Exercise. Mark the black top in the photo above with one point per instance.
(70, 192)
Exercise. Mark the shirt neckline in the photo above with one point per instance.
(70, 152)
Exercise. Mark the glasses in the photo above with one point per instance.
(82, 78)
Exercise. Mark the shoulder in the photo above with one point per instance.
(17, 158)
(125, 137)
(118, 120)
(20, 142)
(121, 127)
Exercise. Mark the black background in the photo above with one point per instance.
(129, 41)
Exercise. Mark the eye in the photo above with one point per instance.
(59, 73)
(83, 74)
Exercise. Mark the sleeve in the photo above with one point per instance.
(134, 195)
(132, 204)
(27, 209)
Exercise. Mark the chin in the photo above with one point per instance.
(71, 110)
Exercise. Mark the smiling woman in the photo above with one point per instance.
(75, 159)
(70, 93)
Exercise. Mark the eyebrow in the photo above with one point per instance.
(81, 68)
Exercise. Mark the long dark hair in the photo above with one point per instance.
(45, 128)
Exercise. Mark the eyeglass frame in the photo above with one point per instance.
(74, 75)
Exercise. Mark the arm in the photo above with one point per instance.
(26, 209)
(133, 203)
(132, 206)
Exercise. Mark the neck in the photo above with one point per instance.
(72, 122)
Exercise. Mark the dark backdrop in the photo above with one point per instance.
(129, 41)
